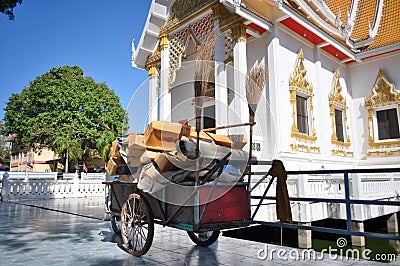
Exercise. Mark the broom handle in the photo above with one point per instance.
(230, 126)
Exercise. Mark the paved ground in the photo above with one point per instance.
(72, 232)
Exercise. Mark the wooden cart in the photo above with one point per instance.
(208, 207)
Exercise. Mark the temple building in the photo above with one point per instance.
(331, 97)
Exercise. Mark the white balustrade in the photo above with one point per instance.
(13, 189)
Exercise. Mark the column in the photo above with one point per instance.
(358, 241)
(275, 139)
(304, 237)
(164, 93)
(221, 90)
(153, 94)
(393, 229)
(240, 72)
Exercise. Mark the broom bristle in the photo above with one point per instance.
(255, 82)
(202, 67)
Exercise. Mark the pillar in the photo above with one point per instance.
(393, 229)
(240, 71)
(164, 93)
(358, 241)
(304, 237)
(221, 90)
(153, 94)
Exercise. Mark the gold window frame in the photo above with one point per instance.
(338, 102)
(383, 96)
(299, 85)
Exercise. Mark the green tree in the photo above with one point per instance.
(58, 110)
(7, 7)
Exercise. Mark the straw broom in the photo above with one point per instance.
(202, 70)
(255, 82)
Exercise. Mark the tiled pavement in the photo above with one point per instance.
(72, 232)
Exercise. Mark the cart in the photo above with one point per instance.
(208, 208)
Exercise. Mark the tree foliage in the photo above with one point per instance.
(7, 7)
(58, 111)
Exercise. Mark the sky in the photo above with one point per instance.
(95, 35)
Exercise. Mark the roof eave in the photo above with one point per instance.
(157, 17)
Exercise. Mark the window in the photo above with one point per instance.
(339, 125)
(302, 114)
(388, 124)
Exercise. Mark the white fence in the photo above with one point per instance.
(46, 186)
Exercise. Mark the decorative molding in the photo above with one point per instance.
(298, 84)
(164, 43)
(181, 10)
(152, 72)
(384, 94)
(337, 101)
(238, 32)
(154, 58)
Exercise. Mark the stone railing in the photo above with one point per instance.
(15, 189)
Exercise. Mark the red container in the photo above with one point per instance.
(227, 204)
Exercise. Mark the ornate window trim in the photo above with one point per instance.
(298, 85)
(338, 102)
(384, 96)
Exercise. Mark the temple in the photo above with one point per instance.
(330, 100)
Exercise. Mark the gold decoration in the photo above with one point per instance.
(298, 84)
(336, 99)
(183, 10)
(239, 32)
(225, 18)
(384, 94)
(152, 71)
(154, 59)
(164, 43)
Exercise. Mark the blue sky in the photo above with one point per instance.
(96, 35)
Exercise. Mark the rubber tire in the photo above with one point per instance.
(146, 210)
(204, 242)
(115, 224)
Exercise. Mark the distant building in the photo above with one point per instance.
(22, 160)
(46, 160)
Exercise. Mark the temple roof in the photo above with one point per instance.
(350, 30)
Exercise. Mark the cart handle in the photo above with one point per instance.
(230, 126)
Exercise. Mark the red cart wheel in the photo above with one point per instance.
(115, 224)
(204, 239)
(137, 225)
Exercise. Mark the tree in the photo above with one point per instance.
(58, 110)
(7, 7)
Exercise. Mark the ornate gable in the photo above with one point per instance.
(383, 92)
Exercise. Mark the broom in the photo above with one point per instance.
(255, 81)
(205, 54)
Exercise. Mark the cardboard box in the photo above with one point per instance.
(163, 163)
(238, 141)
(136, 146)
(117, 166)
(221, 140)
(114, 150)
(148, 156)
(162, 136)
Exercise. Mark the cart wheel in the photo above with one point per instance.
(137, 225)
(204, 239)
(115, 224)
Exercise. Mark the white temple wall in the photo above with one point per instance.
(183, 94)
(362, 78)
